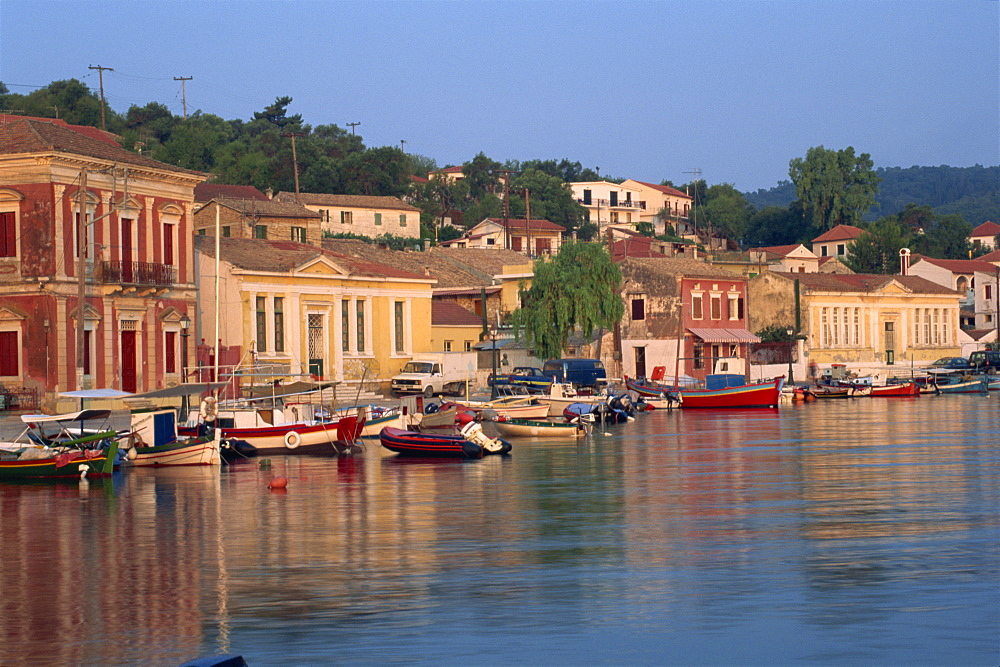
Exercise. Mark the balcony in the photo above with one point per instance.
(136, 273)
(620, 203)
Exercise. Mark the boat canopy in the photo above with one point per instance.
(180, 390)
(81, 415)
(96, 393)
(286, 390)
(724, 335)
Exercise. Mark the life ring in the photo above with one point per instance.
(293, 439)
(209, 408)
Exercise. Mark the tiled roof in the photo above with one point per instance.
(988, 228)
(863, 282)
(445, 312)
(269, 208)
(839, 233)
(779, 250)
(345, 201)
(639, 246)
(490, 261)
(665, 189)
(448, 170)
(432, 264)
(204, 192)
(38, 136)
(960, 265)
(92, 132)
(990, 256)
(283, 256)
(521, 224)
(680, 267)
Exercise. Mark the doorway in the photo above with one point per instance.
(640, 362)
(129, 366)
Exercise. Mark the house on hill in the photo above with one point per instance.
(532, 237)
(663, 206)
(123, 239)
(974, 279)
(609, 203)
(794, 258)
(363, 215)
(834, 243)
(984, 236)
(255, 219)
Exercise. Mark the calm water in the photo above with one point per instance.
(854, 532)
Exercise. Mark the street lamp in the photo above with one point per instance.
(493, 340)
(185, 325)
(791, 342)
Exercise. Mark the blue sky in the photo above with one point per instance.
(647, 90)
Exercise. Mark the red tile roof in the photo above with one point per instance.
(988, 228)
(839, 233)
(640, 246)
(345, 201)
(29, 135)
(665, 189)
(268, 208)
(680, 267)
(522, 224)
(990, 256)
(863, 282)
(960, 265)
(445, 312)
(92, 132)
(284, 256)
(204, 192)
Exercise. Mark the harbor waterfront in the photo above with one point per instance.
(860, 531)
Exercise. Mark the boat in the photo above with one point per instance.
(153, 440)
(821, 392)
(380, 418)
(562, 395)
(38, 453)
(470, 443)
(889, 390)
(979, 385)
(517, 411)
(599, 412)
(510, 427)
(756, 395)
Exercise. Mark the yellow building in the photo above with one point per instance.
(453, 328)
(860, 319)
(302, 310)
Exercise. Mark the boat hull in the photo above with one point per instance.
(316, 439)
(761, 395)
(528, 428)
(980, 386)
(891, 391)
(412, 443)
(202, 451)
(72, 465)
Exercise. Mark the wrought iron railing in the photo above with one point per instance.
(137, 273)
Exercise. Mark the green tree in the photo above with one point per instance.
(777, 225)
(835, 187)
(946, 238)
(551, 199)
(480, 176)
(576, 289)
(877, 250)
(727, 210)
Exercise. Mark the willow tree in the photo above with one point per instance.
(579, 288)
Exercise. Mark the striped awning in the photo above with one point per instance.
(725, 335)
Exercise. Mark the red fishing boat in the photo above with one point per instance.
(890, 390)
(759, 395)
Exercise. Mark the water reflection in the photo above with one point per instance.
(858, 531)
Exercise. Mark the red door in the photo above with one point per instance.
(128, 362)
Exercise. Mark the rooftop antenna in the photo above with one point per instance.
(696, 172)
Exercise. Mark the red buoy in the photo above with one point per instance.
(278, 483)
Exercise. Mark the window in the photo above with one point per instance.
(699, 357)
(169, 347)
(345, 218)
(345, 324)
(398, 317)
(447, 346)
(468, 346)
(824, 251)
(378, 218)
(168, 243)
(402, 220)
(841, 249)
(836, 326)
(87, 347)
(587, 197)
(491, 241)
(824, 328)
(988, 294)
(261, 324)
(8, 235)
(279, 324)
(716, 306)
(299, 234)
(734, 307)
(204, 232)
(260, 231)
(857, 326)
(638, 309)
(8, 353)
(696, 307)
(87, 235)
(225, 232)
(361, 325)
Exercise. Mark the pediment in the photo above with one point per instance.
(8, 314)
(322, 266)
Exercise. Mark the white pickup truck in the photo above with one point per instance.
(432, 373)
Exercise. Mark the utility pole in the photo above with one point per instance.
(402, 145)
(505, 174)
(100, 74)
(295, 159)
(696, 172)
(527, 219)
(353, 125)
(184, 97)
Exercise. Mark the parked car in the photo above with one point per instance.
(952, 363)
(587, 373)
(523, 376)
(986, 361)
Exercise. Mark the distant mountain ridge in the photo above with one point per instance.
(972, 192)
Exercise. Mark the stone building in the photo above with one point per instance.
(268, 220)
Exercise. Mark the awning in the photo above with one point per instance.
(177, 391)
(725, 335)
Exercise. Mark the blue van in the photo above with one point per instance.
(578, 372)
